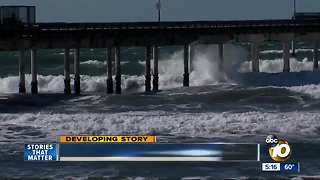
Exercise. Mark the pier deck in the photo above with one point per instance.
(99, 35)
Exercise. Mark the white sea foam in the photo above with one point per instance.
(94, 62)
(312, 90)
(281, 51)
(204, 67)
(163, 123)
(55, 84)
(304, 177)
(98, 63)
(276, 66)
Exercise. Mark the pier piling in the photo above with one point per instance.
(186, 65)
(155, 81)
(77, 71)
(109, 71)
(34, 81)
(286, 58)
(220, 56)
(293, 48)
(255, 57)
(118, 70)
(22, 82)
(192, 56)
(67, 88)
(148, 69)
(315, 55)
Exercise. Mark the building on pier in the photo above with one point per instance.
(17, 14)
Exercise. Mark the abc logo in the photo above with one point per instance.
(272, 140)
(279, 149)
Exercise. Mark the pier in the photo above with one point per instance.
(23, 37)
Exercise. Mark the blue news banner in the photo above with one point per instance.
(142, 152)
(40, 152)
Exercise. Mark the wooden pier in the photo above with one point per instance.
(23, 37)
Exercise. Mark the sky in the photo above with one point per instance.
(172, 10)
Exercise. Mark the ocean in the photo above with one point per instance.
(233, 106)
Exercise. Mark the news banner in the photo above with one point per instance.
(146, 148)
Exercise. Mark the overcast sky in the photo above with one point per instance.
(172, 10)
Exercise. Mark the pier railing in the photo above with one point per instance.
(171, 25)
(137, 29)
(162, 25)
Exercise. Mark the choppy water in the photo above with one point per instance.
(233, 106)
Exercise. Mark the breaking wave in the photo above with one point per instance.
(204, 71)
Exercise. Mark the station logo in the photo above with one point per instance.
(279, 149)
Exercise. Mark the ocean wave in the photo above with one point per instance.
(94, 62)
(307, 83)
(281, 51)
(276, 65)
(304, 177)
(55, 84)
(159, 123)
(170, 75)
(98, 63)
(311, 89)
(204, 71)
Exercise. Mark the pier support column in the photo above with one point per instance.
(220, 56)
(118, 70)
(67, 88)
(148, 69)
(315, 54)
(77, 71)
(22, 82)
(192, 56)
(293, 48)
(155, 81)
(255, 56)
(186, 65)
(34, 81)
(109, 71)
(286, 57)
